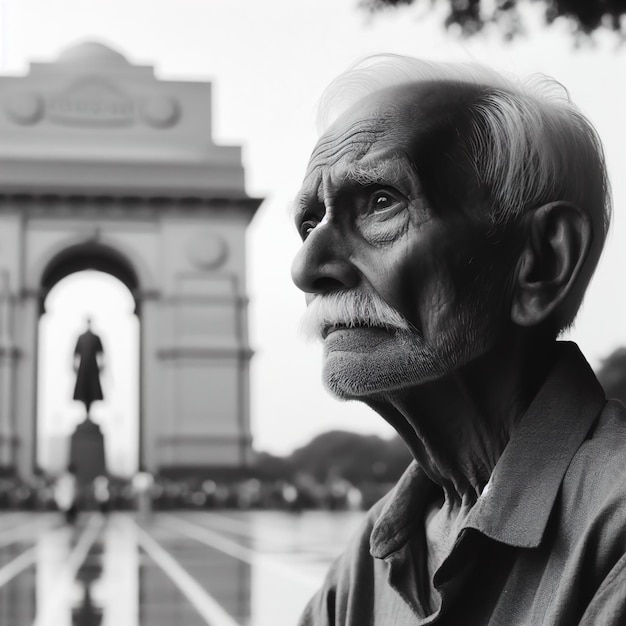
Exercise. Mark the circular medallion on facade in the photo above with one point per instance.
(161, 112)
(207, 251)
(25, 108)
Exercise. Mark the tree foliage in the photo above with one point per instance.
(471, 16)
(352, 456)
(357, 458)
(612, 375)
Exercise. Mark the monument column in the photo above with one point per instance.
(27, 319)
(7, 363)
(152, 399)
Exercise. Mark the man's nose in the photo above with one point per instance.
(323, 263)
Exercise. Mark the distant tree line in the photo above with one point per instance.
(612, 375)
(339, 454)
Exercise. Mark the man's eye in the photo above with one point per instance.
(384, 204)
(306, 227)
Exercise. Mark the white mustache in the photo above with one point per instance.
(349, 309)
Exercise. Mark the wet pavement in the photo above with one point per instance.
(226, 568)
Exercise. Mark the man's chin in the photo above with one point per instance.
(360, 376)
(358, 362)
(362, 364)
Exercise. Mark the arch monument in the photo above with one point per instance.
(103, 166)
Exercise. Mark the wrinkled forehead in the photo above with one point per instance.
(416, 129)
(400, 118)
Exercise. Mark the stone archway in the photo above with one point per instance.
(104, 166)
(89, 255)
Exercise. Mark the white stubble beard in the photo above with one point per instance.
(405, 359)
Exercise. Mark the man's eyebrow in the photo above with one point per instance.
(298, 205)
(381, 172)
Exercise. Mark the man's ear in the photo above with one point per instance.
(557, 244)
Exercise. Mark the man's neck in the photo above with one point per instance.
(457, 427)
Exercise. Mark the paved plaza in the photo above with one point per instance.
(226, 568)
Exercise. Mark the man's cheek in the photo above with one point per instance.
(394, 285)
(412, 287)
(435, 307)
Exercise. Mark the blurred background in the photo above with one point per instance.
(266, 64)
(149, 152)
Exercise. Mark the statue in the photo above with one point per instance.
(88, 363)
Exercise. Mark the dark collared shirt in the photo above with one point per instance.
(544, 544)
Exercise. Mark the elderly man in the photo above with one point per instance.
(451, 220)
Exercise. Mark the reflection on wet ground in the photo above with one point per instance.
(226, 568)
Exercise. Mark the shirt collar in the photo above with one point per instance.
(525, 482)
(523, 487)
(403, 509)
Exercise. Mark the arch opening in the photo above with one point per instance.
(75, 287)
(91, 255)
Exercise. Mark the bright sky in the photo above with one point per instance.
(269, 60)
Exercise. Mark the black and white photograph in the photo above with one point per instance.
(312, 313)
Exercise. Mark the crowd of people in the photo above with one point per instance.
(63, 493)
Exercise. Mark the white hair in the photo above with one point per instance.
(523, 142)
(380, 71)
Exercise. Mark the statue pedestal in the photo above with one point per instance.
(87, 451)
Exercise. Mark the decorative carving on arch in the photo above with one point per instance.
(207, 250)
